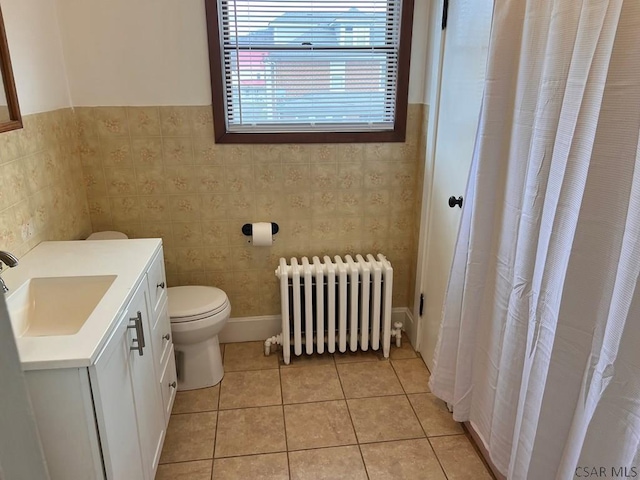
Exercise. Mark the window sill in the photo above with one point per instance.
(398, 135)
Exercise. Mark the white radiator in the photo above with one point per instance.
(334, 304)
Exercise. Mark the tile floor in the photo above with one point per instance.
(343, 416)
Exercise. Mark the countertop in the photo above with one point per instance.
(127, 259)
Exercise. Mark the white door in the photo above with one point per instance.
(21, 453)
(461, 85)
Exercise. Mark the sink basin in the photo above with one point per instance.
(50, 306)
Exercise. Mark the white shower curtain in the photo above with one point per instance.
(540, 342)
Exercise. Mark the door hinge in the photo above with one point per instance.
(445, 13)
(421, 309)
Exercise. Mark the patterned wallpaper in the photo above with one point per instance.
(156, 171)
(41, 191)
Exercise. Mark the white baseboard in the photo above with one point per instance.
(249, 329)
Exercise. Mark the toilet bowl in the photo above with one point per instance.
(197, 315)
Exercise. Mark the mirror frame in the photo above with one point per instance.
(15, 119)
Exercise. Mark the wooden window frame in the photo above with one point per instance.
(398, 134)
(9, 84)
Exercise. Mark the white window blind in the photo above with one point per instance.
(320, 65)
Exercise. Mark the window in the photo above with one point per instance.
(290, 71)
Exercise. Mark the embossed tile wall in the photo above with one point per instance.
(42, 196)
(156, 171)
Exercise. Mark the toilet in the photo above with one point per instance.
(197, 315)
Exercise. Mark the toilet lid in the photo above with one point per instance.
(107, 235)
(190, 302)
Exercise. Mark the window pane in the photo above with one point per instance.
(292, 63)
(294, 86)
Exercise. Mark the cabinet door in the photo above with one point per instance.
(112, 387)
(146, 388)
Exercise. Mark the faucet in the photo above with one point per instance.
(10, 260)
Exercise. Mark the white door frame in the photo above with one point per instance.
(21, 454)
(435, 55)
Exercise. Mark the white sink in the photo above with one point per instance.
(49, 306)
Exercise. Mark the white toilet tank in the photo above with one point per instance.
(107, 235)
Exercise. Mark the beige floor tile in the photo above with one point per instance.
(250, 431)
(413, 375)
(190, 436)
(255, 388)
(433, 415)
(273, 466)
(358, 356)
(369, 380)
(459, 459)
(310, 384)
(305, 360)
(200, 470)
(402, 460)
(316, 425)
(384, 418)
(338, 463)
(201, 400)
(247, 356)
(405, 350)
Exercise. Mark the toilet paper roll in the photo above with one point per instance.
(261, 236)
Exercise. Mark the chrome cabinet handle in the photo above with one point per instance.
(167, 337)
(173, 384)
(160, 285)
(144, 343)
(139, 341)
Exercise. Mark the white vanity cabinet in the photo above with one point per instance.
(109, 420)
